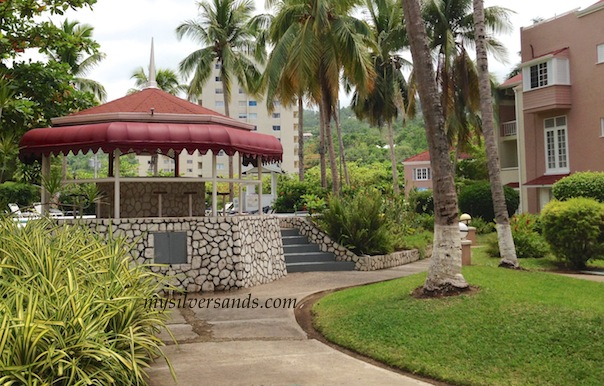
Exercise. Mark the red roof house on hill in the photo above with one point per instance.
(418, 173)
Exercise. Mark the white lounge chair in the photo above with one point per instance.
(52, 212)
(15, 210)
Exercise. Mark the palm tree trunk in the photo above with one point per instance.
(300, 138)
(504, 231)
(444, 274)
(322, 146)
(396, 188)
(226, 97)
(327, 106)
(336, 118)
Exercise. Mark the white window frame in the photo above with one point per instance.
(558, 132)
(602, 127)
(218, 91)
(252, 116)
(550, 72)
(600, 53)
(422, 174)
(542, 70)
(218, 103)
(276, 115)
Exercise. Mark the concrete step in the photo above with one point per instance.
(293, 240)
(300, 248)
(290, 232)
(309, 257)
(327, 266)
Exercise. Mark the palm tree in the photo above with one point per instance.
(316, 40)
(382, 106)
(228, 34)
(75, 56)
(444, 273)
(504, 232)
(167, 80)
(451, 28)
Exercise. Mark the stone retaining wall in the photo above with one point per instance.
(362, 263)
(223, 253)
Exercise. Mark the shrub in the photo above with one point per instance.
(582, 184)
(527, 240)
(358, 223)
(482, 227)
(73, 308)
(422, 201)
(475, 199)
(289, 196)
(18, 193)
(574, 229)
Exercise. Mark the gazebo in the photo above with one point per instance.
(149, 122)
(200, 252)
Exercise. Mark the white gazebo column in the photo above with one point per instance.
(214, 186)
(260, 185)
(116, 184)
(45, 195)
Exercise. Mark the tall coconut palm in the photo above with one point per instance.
(450, 26)
(81, 56)
(504, 232)
(383, 105)
(227, 32)
(316, 40)
(444, 273)
(167, 80)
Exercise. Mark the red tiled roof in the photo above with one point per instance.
(545, 180)
(425, 156)
(514, 185)
(513, 80)
(150, 98)
(553, 53)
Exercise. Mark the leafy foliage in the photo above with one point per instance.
(422, 201)
(575, 230)
(475, 199)
(18, 193)
(358, 223)
(74, 308)
(581, 184)
(527, 238)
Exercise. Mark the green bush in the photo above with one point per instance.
(358, 223)
(582, 184)
(574, 229)
(18, 193)
(482, 227)
(527, 240)
(475, 199)
(422, 201)
(291, 194)
(74, 308)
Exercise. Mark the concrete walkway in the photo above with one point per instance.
(266, 346)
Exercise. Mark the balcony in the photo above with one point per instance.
(547, 98)
(508, 129)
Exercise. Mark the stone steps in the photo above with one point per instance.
(303, 256)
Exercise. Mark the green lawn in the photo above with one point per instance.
(521, 328)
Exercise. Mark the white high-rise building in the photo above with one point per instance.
(282, 123)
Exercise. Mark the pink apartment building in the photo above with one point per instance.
(552, 114)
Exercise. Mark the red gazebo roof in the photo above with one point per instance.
(147, 122)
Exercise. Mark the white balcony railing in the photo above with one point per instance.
(509, 128)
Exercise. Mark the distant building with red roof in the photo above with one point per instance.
(418, 172)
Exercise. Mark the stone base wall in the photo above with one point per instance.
(141, 199)
(223, 253)
(362, 263)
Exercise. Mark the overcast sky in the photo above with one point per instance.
(124, 29)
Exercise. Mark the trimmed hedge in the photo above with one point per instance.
(475, 199)
(582, 184)
(575, 230)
